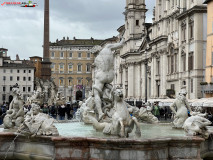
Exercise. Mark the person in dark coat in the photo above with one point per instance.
(69, 116)
(53, 111)
(62, 111)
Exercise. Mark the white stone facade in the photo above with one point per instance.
(12, 72)
(175, 49)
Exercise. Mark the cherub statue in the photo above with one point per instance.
(15, 114)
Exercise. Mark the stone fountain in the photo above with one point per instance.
(107, 130)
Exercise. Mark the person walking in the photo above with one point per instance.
(62, 111)
(45, 109)
(156, 110)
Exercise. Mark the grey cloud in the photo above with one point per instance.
(22, 28)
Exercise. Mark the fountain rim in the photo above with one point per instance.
(56, 139)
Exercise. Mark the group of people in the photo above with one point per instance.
(59, 111)
(56, 111)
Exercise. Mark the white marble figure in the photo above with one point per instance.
(196, 125)
(180, 108)
(15, 114)
(59, 99)
(145, 115)
(52, 93)
(37, 97)
(121, 123)
(87, 109)
(104, 72)
(37, 124)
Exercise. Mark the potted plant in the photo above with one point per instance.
(203, 83)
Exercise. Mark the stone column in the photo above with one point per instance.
(131, 80)
(46, 70)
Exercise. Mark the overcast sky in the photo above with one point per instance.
(21, 29)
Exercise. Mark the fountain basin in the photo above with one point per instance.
(100, 147)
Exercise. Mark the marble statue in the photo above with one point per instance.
(121, 122)
(145, 115)
(104, 73)
(37, 124)
(52, 93)
(106, 109)
(196, 125)
(15, 114)
(47, 90)
(180, 108)
(59, 99)
(37, 97)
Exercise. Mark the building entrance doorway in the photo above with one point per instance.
(79, 96)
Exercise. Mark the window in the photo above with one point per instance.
(61, 82)
(4, 97)
(11, 78)
(11, 88)
(191, 31)
(29, 78)
(18, 71)
(24, 78)
(53, 54)
(184, 62)
(61, 68)
(183, 31)
(11, 71)
(4, 70)
(24, 89)
(190, 61)
(29, 71)
(88, 55)
(62, 55)
(18, 78)
(79, 55)
(137, 22)
(158, 66)
(53, 67)
(4, 78)
(29, 89)
(70, 68)
(70, 82)
(4, 88)
(24, 71)
(88, 68)
(172, 64)
(70, 54)
(79, 67)
(191, 85)
(173, 86)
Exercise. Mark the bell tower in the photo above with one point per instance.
(134, 21)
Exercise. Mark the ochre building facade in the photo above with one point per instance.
(209, 50)
(71, 66)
